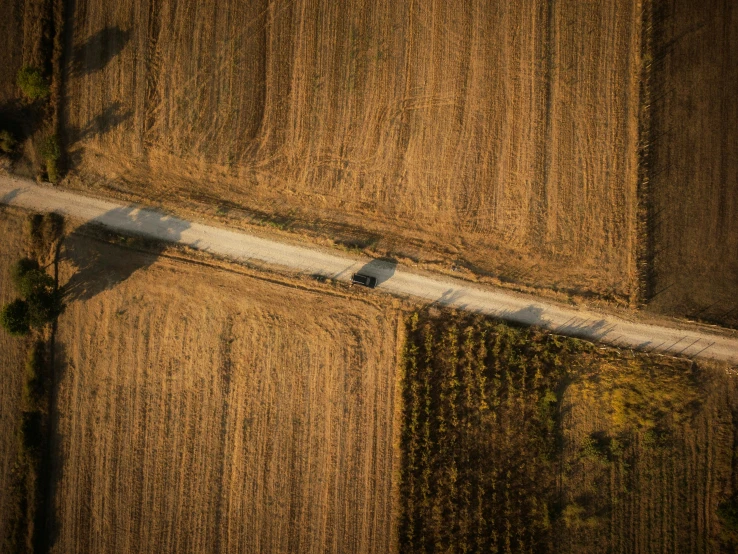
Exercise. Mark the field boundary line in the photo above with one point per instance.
(644, 211)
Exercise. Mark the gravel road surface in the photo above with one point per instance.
(242, 247)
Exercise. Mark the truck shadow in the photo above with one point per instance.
(96, 254)
(381, 268)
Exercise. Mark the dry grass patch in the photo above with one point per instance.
(201, 410)
(500, 138)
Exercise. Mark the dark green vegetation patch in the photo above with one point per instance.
(516, 440)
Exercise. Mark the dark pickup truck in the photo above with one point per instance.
(365, 280)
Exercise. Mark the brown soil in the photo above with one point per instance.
(201, 410)
(694, 185)
(501, 139)
(12, 357)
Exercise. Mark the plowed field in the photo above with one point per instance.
(206, 411)
(694, 229)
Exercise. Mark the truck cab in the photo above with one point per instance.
(364, 280)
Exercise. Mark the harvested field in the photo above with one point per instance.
(12, 357)
(694, 188)
(497, 138)
(202, 410)
(519, 441)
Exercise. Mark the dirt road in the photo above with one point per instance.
(241, 247)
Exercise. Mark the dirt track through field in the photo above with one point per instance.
(239, 246)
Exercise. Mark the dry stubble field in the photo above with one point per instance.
(201, 410)
(497, 137)
(12, 357)
(695, 175)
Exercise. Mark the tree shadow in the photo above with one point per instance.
(15, 116)
(524, 317)
(52, 468)
(356, 239)
(449, 297)
(586, 328)
(98, 50)
(530, 315)
(95, 251)
(381, 268)
(22, 118)
(102, 123)
(7, 198)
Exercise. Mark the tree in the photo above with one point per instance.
(34, 283)
(50, 149)
(14, 318)
(44, 307)
(32, 82)
(19, 270)
(41, 303)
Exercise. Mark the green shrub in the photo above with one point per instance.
(50, 151)
(42, 301)
(20, 269)
(32, 82)
(52, 171)
(7, 142)
(14, 318)
(50, 148)
(657, 439)
(44, 307)
(594, 449)
(35, 282)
